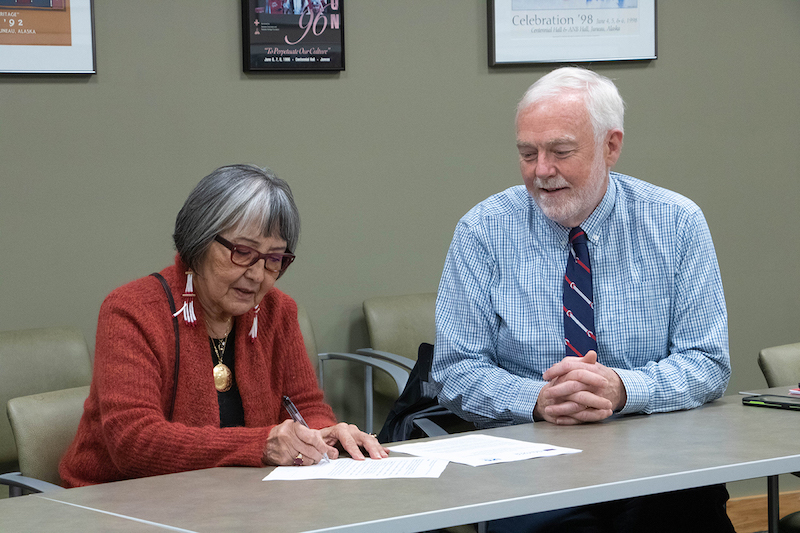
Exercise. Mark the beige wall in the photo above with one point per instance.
(384, 157)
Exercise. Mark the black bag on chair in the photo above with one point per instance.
(416, 413)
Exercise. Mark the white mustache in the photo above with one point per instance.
(550, 183)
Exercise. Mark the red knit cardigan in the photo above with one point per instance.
(124, 432)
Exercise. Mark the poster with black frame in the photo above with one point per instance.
(293, 35)
(47, 37)
(568, 31)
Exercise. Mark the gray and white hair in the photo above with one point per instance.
(235, 196)
(603, 101)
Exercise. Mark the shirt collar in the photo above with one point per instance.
(595, 221)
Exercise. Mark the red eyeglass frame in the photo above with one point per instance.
(286, 257)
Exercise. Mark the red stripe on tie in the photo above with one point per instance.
(589, 333)
(577, 235)
(584, 266)
(571, 347)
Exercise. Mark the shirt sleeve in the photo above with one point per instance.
(465, 367)
(697, 368)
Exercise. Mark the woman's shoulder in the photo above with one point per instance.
(278, 303)
(144, 291)
(138, 308)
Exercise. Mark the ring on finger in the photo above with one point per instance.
(298, 460)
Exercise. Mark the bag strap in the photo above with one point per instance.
(160, 278)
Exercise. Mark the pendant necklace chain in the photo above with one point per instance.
(223, 377)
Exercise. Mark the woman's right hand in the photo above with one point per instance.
(290, 440)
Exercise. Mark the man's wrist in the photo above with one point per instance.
(538, 416)
(621, 393)
(623, 399)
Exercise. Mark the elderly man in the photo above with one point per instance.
(583, 294)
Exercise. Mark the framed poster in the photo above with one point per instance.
(47, 36)
(299, 35)
(569, 31)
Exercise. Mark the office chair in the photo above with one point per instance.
(402, 330)
(781, 367)
(307, 330)
(44, 425)
(34, 361)
(398, 374)
(397, 325)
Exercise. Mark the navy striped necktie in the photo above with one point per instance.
(579, 335)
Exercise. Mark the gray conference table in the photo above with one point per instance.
(34, 514)
(622, 457)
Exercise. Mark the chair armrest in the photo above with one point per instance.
(398, 373)
(17, 483)
(404, 362)
(429, 427)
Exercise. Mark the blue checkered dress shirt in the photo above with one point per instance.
(660, 314)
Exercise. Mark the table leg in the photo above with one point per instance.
(773, 504)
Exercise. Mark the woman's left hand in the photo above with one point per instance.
(352, 440)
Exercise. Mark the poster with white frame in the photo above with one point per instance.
(570, 31)
(47, 37)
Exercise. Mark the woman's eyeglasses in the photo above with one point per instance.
(244, 256)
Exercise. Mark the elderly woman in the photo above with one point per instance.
(218, 402)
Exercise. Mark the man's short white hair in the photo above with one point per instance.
(603, 101)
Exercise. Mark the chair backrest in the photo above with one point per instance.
(399, 324)
(34, 361)
(780, 365)
(308, 336)
(44, 425)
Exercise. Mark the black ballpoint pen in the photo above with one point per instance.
(289, 405)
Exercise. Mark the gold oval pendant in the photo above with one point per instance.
(223, 379)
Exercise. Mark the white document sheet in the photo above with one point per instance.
(392, 467)
(479, 449)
